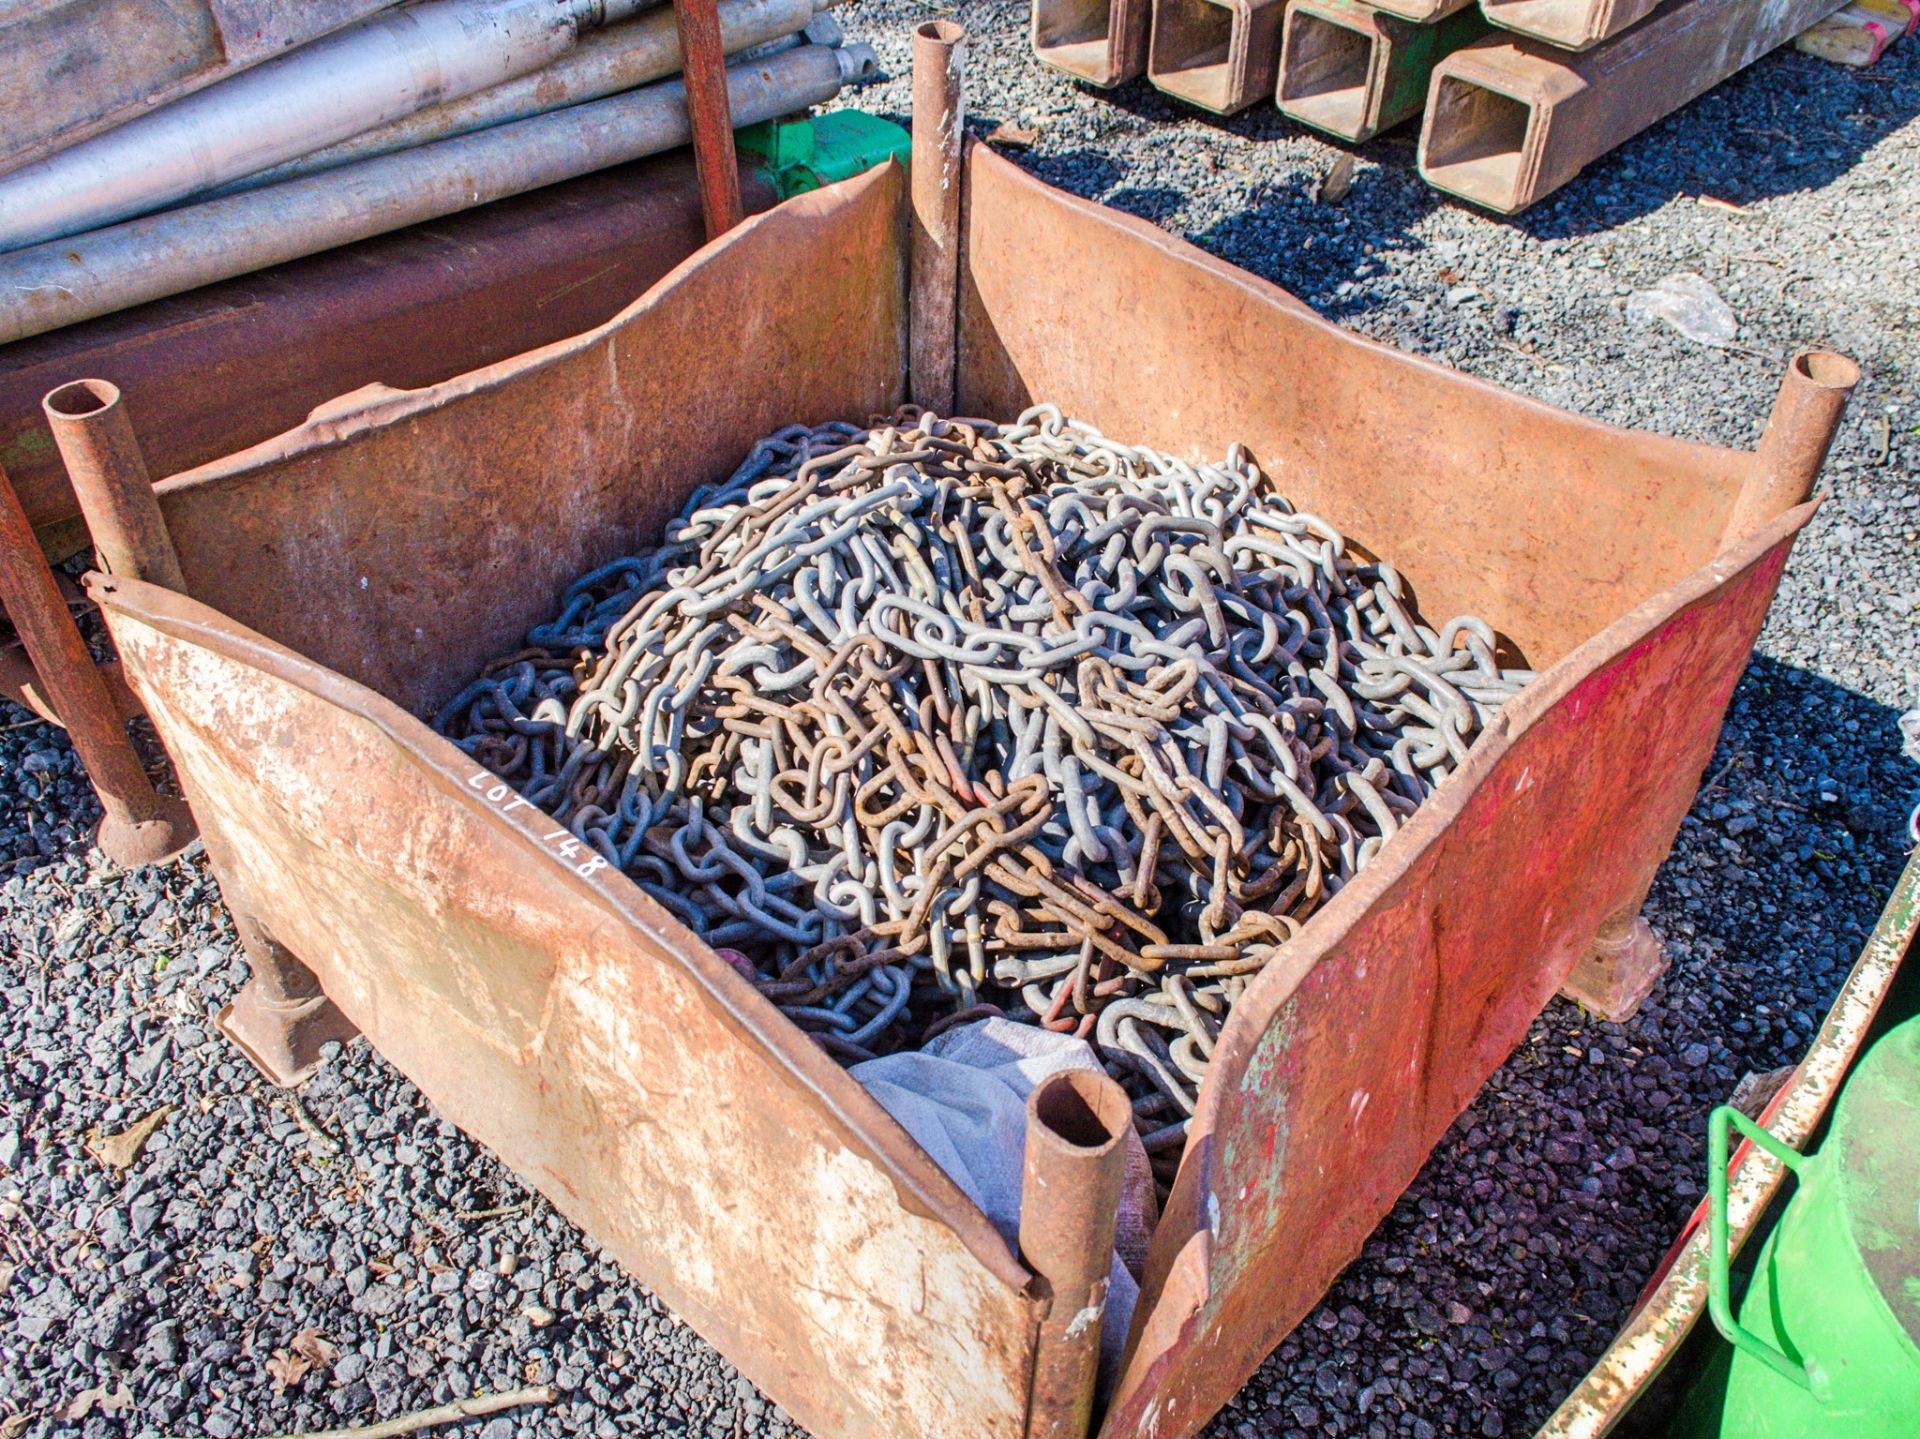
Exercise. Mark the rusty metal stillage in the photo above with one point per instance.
(343, 580)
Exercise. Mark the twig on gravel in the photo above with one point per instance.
(1712, 786)
(499, 1211)
(322, 1141)
(439, 1414)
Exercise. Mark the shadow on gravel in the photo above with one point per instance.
(1786, 125)
(1283, 233)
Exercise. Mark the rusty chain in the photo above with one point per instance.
(945, 719)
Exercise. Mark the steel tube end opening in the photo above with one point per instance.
(1326, 68)
(941, 32)
(95, 438)
(1806, 415)
(1081, 1113)
(1077, 1124)
(1827, 369)
(80, 399)
(1474, 142)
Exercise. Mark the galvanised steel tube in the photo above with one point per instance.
(77, 279)
(376, 71)
(604, 63)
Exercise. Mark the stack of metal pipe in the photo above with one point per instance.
(1509, 118)
(415, 113)
(1350, 67)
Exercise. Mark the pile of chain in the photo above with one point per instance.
(942, 719)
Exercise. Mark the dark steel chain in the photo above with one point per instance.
(945, 719)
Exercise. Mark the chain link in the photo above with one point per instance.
(945, 719)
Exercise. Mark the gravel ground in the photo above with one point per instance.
(357, 1238)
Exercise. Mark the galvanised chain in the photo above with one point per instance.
(941, 720)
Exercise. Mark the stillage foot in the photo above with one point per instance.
(1619, 970)
(281, 1019)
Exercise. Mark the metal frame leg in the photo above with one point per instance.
(281, 1018)
(1619, 970)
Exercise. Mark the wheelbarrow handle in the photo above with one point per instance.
(1719, 1258)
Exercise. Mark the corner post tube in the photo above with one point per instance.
(110, 479)
(703, 64)
(1077, 1123)
(141, 826)
(1813, 397)
(939, 123)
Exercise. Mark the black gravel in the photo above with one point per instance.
(1505, 1268)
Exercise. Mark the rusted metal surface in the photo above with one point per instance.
(1510, 120)
(939, 123)
(703, 58)
(1103, 42)
(1222, 55)
(1676, 1297)
(1460, 483)
(20, 682)
(140, 825)
(1077, 1126)
(411, 309)
(330, 538)
(1351, 1054)
(408, 309)
(109, 476)
(576, 1029)
(1354, 70)
(556, 1011)
(1568, 24)
(71, 68)
(1423, 11)
(566, 1019)
(1806, 414)
(1340, 1070)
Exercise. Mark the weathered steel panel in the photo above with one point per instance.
(557, 1014)
(72, 68)
(406, 539)
(1547, 525)
(1347, 1059)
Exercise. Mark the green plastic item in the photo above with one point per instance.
(805, 154)
(1825, 1344)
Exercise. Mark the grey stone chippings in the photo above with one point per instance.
(1503, 1271)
